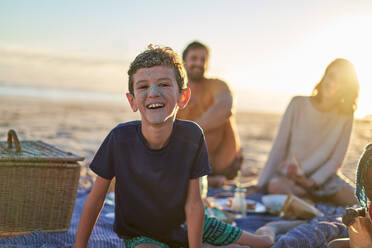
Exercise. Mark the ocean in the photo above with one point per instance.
(58, 94)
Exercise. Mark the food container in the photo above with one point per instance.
(38, 185)
(296, 208)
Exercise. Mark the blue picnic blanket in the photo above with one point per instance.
(315, 233)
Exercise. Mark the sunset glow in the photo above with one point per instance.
(267, 51)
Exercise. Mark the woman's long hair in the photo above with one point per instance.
(350, 86)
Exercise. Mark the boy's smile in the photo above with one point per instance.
(156, 95)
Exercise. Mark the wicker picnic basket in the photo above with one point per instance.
(38, 185)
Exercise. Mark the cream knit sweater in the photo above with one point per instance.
(318, 140)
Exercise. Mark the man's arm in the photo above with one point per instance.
(92, 208)
(221, 109)
(194, 210)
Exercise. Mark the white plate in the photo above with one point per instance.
(222, 204)
(274, 202)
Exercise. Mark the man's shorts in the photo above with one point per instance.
(231, 171)
(215, 232)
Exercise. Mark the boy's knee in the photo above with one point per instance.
(265, 238)
(267, 241)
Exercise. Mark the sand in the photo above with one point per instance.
(81, 126)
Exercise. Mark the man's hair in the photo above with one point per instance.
(194, 45)
(155, 56)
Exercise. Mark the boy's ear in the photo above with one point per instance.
(184, 98)
(132, 102)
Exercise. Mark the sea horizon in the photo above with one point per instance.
(65, 94)
(269, 103)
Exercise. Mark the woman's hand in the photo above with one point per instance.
(292, 171)
(299, 178)
(305, 182)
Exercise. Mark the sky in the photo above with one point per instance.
(268, 50)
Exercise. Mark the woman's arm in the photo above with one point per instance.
(194, 210)
(330, 168)
(92, 208)
(280, 146)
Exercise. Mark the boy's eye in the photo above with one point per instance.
(142, 87)
(164, 84)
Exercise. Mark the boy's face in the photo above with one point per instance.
(156, 95)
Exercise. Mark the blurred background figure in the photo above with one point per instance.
(313, 138)
(211, 106)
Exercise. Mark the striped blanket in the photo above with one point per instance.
(315, 233)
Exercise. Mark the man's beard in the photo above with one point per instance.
(195, 76)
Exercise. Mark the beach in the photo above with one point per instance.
(80, 127)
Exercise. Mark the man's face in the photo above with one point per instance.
(196, 62)
(156, 95)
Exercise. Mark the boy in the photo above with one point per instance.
(157, 163)
(359, 219)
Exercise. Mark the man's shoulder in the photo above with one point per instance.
(215, 81)
(217, 85)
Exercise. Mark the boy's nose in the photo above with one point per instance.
(154, 91)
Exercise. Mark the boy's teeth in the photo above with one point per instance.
(155, 105)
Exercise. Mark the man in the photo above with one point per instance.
(211, 106)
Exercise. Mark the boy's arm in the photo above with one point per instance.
(92, 208)
(194, 210)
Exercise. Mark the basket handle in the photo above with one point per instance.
(12, 135)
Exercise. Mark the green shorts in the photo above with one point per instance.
(215, 232)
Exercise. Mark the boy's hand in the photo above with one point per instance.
(348, 217)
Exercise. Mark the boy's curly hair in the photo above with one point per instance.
(365, 162)
(155, 56)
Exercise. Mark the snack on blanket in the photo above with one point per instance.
(296, 208)
(251, 205)
(274, 202)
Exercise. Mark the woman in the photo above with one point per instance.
(313, 138)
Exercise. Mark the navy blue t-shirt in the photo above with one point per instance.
(151, 185)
